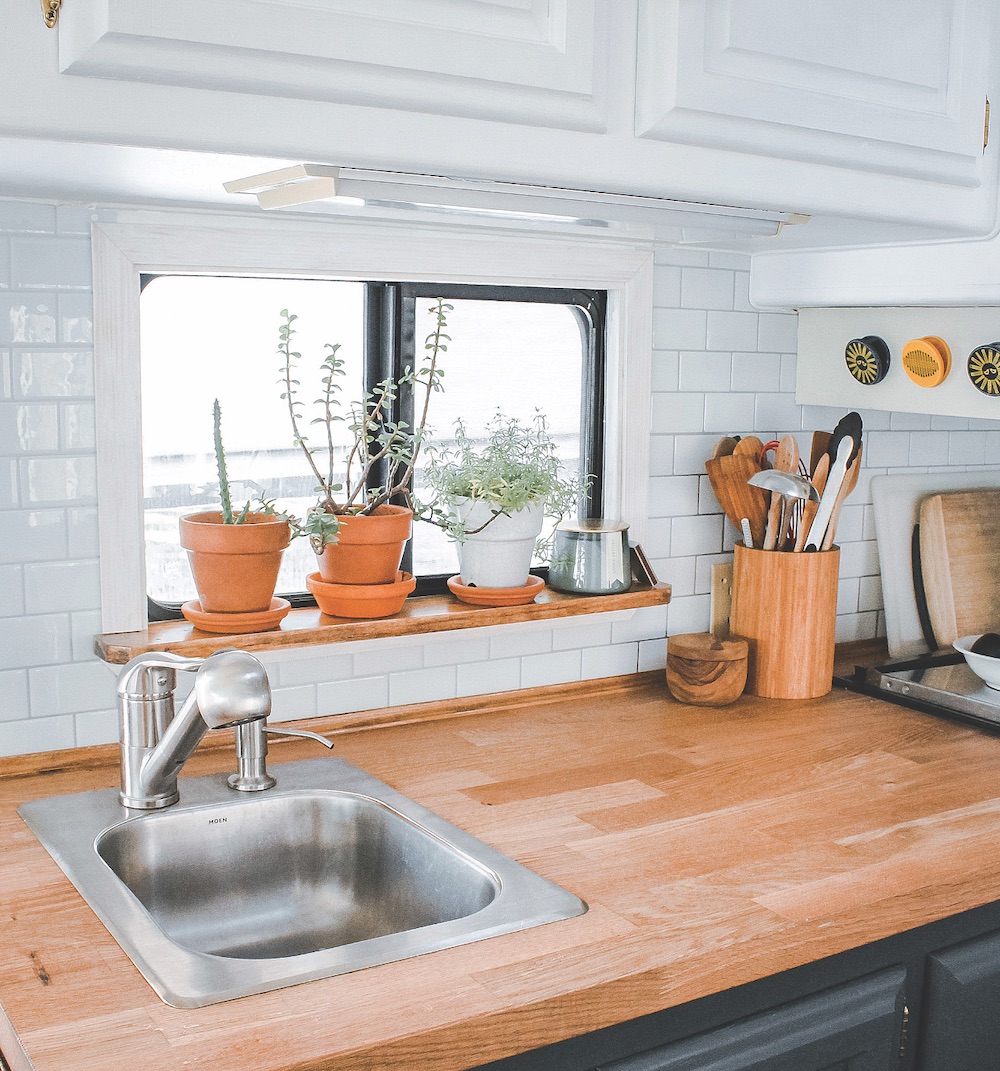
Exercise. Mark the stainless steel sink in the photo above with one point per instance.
(222, 896)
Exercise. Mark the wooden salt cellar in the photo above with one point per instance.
(705, 671)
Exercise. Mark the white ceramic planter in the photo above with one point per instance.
(500, 555)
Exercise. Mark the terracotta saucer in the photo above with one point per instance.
(361, 600)
(236, 624)
(518, 596)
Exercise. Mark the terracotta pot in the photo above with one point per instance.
(361, 600)
(235, 566)
(368, 549)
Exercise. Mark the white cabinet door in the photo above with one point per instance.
(894, 86)
(534, 62)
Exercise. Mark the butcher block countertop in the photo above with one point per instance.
(714, 847)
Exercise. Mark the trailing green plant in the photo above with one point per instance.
(514, 467)
(378, 442)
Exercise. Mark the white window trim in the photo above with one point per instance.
(138, 242)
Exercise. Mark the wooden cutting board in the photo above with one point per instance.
(960, 562)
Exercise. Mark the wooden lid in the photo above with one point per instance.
(706, 647)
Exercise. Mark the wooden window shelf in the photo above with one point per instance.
(308, 627)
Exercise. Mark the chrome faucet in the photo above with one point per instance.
(231, 689)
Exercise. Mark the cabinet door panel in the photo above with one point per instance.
(540, 62)
(851, 1027)
(960, 1024)
(896, 86)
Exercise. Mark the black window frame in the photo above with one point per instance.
(390, 346)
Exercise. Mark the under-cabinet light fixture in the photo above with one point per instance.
(302, 184)
(290, 186)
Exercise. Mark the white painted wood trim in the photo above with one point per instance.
(137, 242)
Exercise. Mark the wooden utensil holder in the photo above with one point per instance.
(785, 606)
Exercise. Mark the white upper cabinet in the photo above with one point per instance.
(893, 86)
(871, 109)
(537, 62)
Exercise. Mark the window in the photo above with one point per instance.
(513, 349)
(151, 242)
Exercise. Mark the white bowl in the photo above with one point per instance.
(984, 667)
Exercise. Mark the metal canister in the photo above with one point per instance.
(591, 557)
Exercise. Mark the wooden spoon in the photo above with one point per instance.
(786, 459)
(819, 478)
(849, 483)
(725, 446)
(729, 476)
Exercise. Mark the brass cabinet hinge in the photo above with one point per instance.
(986, 125)
(50, 12)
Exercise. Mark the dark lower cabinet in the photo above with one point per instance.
(960, 1021)
(926, 999)
(852, 1027)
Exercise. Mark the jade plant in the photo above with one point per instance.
(379, 444)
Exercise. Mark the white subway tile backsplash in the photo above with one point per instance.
(690, 452)
(859, 559)
(66, 585)
(11, 590)
(76, 319)
(756, 372)
(732, 331)
(512, 641)
(559, 667)
(96, 727)
(680, 573)
(652, 655)
(290, 704)
(679, 413)
(967, 448)
(736, 261)
(665, 371)
(656, 542)
(673, 496)
(422, 685)
(48, 480)
(777, 332)
(34, 641)
(886, 449)
(79, 430)
(50, 263)
(82, 536)
(485, 678)
(679, 329)
(53, 373)
(586, 632)
(32, 535)
(37, 734)
(689, 614)
(614, 660)
(23, 217)
(645, 623)
(870, 593)
(929, 448)
(705, 371)
(695, 535)
(776, 414)
(84, 626)
(357, 693)
(27, 318)
(909, 422)
(323, 667)
(706, 288)
(730, 414)
(661, 455)
(455, 649)
(666, 286)
(847, 595)
(70, 220)
(9, 491)
(71, 688)
(14, 695)
(28, 428)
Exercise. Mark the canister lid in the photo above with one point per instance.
(703, 646)
(593, 524)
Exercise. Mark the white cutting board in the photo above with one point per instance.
(896, 501)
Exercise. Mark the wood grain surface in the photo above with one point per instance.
(959, 540)
(429, 613)
(714, 847)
